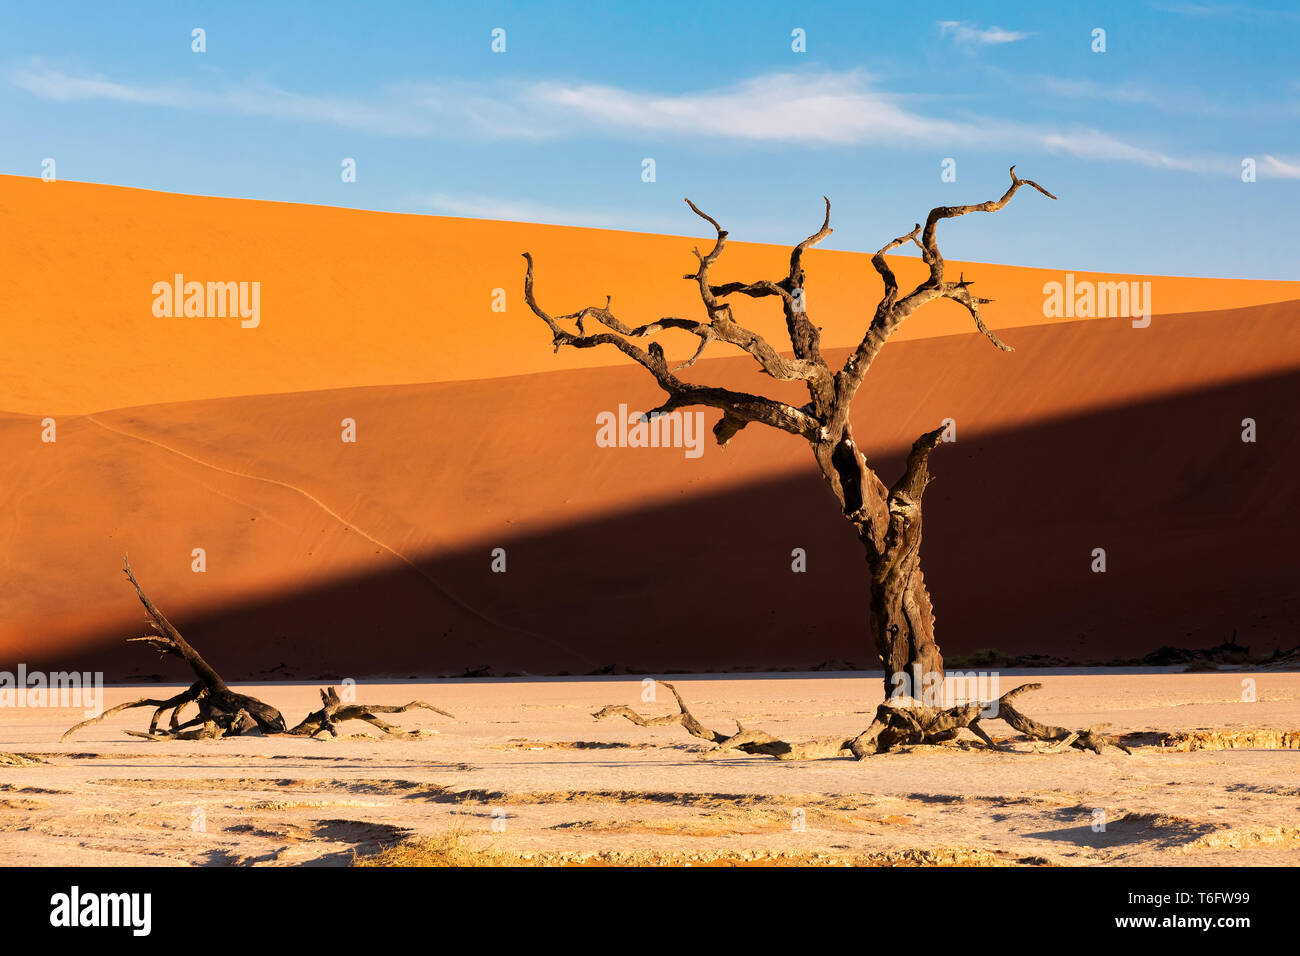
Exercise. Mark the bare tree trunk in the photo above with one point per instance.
(902, 627)
(902, 616)
(887, 521)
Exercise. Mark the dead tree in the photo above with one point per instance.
(224, 713)
(885, 518)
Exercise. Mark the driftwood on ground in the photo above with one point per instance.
(223, 712)
(898, 722)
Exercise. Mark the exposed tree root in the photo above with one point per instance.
(224, 713)
(898, 722)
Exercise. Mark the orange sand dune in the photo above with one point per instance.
(351, 298)
(374, 557)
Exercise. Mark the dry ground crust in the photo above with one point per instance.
(524, 776)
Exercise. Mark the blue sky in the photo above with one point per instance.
(1143, 143)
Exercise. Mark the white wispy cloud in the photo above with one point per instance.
(1281, 168)
(836, 109)
(1120, 93)
(413, 110)
(512, 210)
(968, 34)
(1239, 12)
(1174, 102)
(806, 109)
(54, 85)
(1085, 143)
(247, 100)
(830, 108)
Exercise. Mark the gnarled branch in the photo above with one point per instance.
(334, 712)
(959, 291)
(738, 408)
(891, 311)
(825, 418)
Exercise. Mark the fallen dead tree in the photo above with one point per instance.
(899, 722)
(223, 712)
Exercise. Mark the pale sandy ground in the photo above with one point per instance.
(105, 798)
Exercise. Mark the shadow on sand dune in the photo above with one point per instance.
(1196, 524)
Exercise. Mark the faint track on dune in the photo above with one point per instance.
(463, 605)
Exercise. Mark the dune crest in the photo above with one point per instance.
(355, 298)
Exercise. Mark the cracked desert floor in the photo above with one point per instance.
(524, 774)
